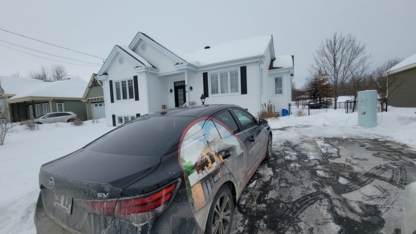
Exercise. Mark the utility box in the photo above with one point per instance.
(367, 108)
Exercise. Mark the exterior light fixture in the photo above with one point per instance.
(170, 90)
(190, 88)
(202, 99)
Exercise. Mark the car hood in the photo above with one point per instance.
(93, 171)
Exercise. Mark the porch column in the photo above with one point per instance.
(33, 108)
(50, 105)
(187, 87)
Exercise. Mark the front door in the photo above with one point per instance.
(180, 93)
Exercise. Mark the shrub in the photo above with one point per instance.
(78, 120)
(267, 115)
(30, 123)
(300, 113)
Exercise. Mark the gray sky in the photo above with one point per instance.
(298, 27)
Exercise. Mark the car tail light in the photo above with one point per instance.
(138, 209)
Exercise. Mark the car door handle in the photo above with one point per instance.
(252, 139)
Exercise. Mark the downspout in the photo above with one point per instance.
(187, 88)
(147, 89)
(259, 89)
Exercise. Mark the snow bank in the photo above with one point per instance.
(399, 124)
(22, 155)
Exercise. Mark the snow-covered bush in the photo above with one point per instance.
(78, 121)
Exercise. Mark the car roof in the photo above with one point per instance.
(194, 111)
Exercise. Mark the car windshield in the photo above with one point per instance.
(143, 136)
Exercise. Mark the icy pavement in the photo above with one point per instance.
(328, 185)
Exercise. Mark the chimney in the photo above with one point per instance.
(207, 47)
(293, 60)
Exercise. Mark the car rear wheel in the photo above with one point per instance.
(221, 213)
(70, 120)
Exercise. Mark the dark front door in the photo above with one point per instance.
(180, 93)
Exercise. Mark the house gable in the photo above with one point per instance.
(120, 54)
(155, 53)
(94, 89)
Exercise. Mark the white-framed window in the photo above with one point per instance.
(121, 119)
(45, 108)
(278, 85)
(38, 109)
(224, 82)
(124, 90)
(60, 107)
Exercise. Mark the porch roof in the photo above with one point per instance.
(18, 88)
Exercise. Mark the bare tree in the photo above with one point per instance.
(42, 74)
(58, 72)
(16, 74)
(339, 57)
(5, 124)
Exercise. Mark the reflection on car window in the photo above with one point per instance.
(226, 118)
(142, 136)
(246, 120)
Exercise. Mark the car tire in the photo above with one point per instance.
(269, 152)
(38, 123)
(220, 216)
(70, 120)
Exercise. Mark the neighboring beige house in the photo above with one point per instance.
(26, 98)
(94, 99)
(402, 83)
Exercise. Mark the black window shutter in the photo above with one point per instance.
(205, 83)
(114, 120)
(136, 88)
(243, 76)
(111, 91)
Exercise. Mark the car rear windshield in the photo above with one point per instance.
(144, 136)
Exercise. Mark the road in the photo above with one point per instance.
(328, 185)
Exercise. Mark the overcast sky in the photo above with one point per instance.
(298, 27)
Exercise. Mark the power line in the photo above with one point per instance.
(48, 53)
(49, 58)
(50, 43)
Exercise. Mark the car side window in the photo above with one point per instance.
(227, 119)
(52, 115)
(246, 120)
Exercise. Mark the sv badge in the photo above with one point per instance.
(103, 195)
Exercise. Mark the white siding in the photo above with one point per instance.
(158, 59)
(265, 66)
(159, 92)
(280, 101)
(249, 100)
(116, 72)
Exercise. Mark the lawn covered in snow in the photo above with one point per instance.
(25, 151)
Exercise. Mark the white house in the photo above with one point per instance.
(145, 76)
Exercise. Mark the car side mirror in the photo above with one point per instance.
(262, 121)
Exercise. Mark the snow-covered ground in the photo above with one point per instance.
(25, 151)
